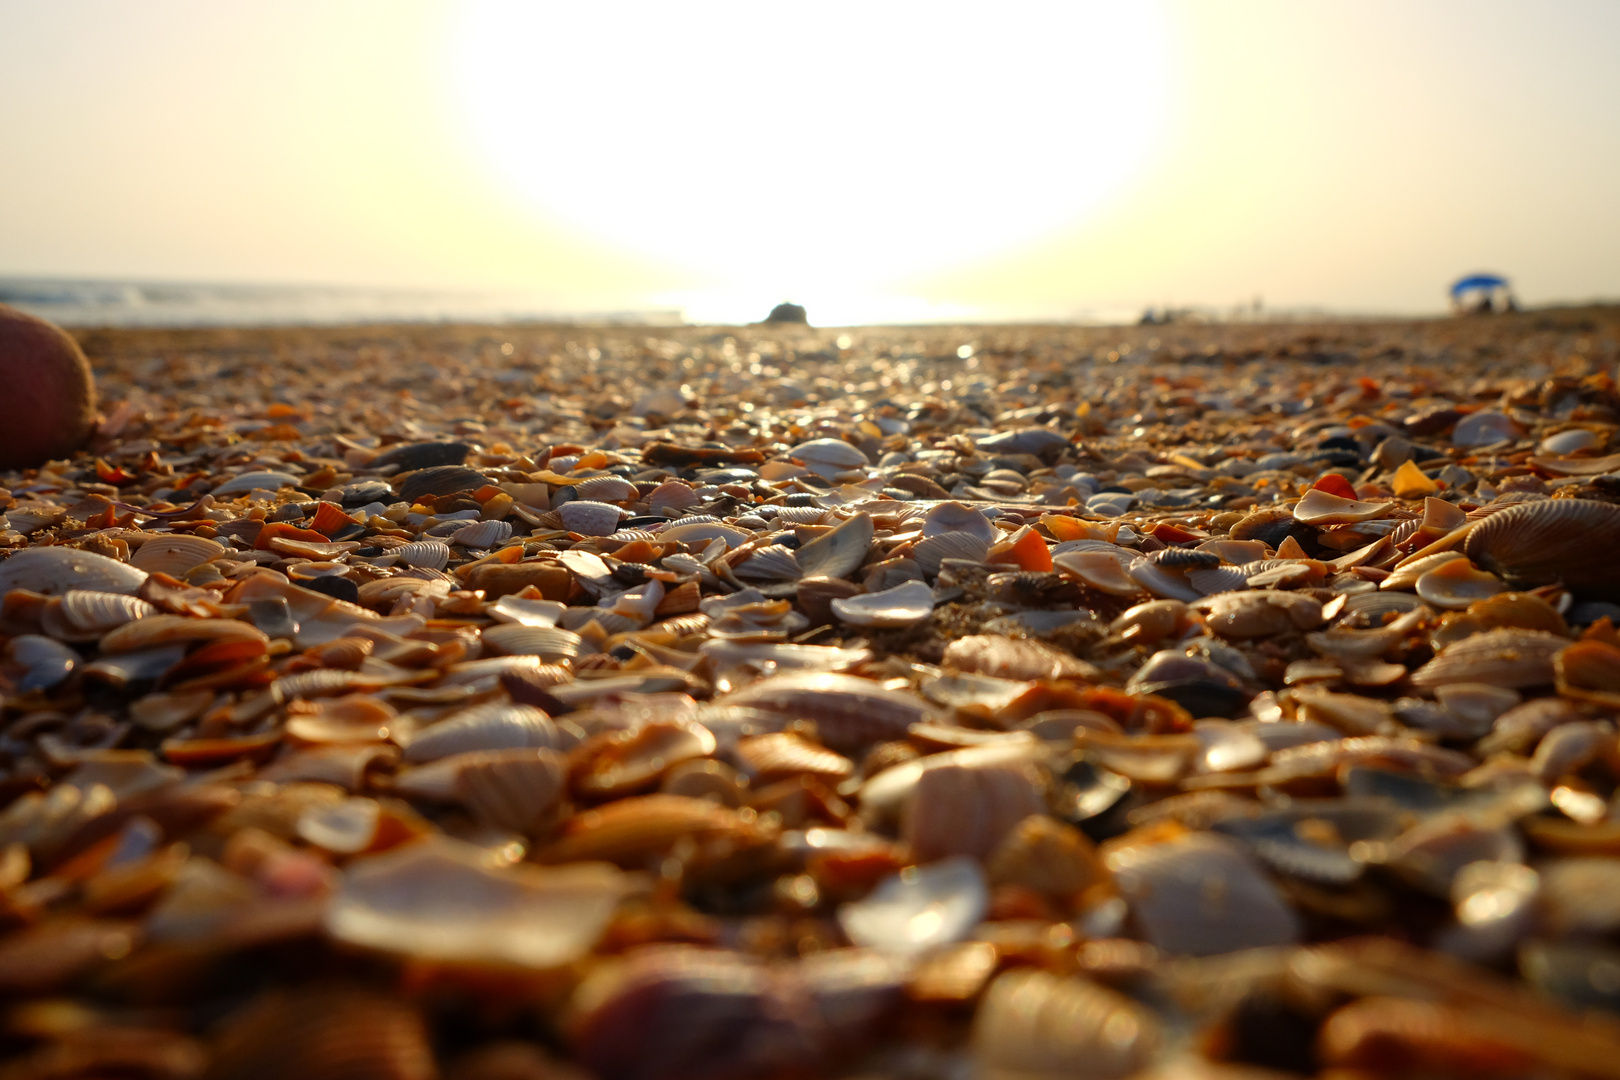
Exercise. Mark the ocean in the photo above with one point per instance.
(74, 302)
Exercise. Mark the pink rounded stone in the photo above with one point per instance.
(47, 394)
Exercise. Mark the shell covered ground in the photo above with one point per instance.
(633, 703)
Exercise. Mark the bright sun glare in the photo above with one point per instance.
(829, 152)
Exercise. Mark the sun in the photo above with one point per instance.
(832, 150)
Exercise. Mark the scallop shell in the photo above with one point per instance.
(850, 713)
(440, 900)
(493, 726)
(590, 518)
(932, 550)
(903, 605)
(607, 489)
(634, 760)
(954, 517)
(1564, 541)
(1034, 1025)
(672, 495)
(1252, 613)
(632, 831)
(424, 554)
(548, 642)
(175, 555)
(772, 563)
(968, 809)
(81, 616)
(55, 570)
(1507, 657)
(321, 1033)
(481, 534)
(781, 755)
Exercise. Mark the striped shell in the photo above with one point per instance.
(590, 518)
(1509, 657)
(493, 726)
(953, 517)
(932, 550)
(85, 616)
(55, 570)
(547, 642)
(607, 489)
(840, 552)
(773, 563)
(1565, 541)
(424, 554)
(175, 555)
(850, 713)
(482, 534)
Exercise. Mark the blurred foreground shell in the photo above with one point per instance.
(1034, 1025)
(55, 570)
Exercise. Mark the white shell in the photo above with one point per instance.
(55, 570)
(839, 552)
(590, 518)
(497, 725)
(482, 534)
(439, 899)
(1567, 442)
(773, 563)
(1484, 428)
(608, 489)
(953, 517)
(547, 642)
(919, 908)
(245, 482)
(903, 605)
(424, 555)
(672, 495)
(932, 550)
(175, 554)
(524, 612)
(829, 457)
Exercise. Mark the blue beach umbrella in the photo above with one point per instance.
(1478, 281)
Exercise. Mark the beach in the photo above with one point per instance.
(1204, 699)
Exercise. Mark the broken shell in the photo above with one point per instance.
(439, 899)
(1320, 507)
(54, 570)
(1563, 541)
(903, 605)
(1455, 584)
(850, 713)
(1258, 613)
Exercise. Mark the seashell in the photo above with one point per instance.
(550, 643)
(1100, 570)
(510, 789)
(634, 760)
(632, 831)
(838, 553)
(850, 713)
(607, 489)
(968, 808)
(1589, 671)
(175, 554)
(1455, 584)
(903, 605)
(346, 766)
(496, 725)
(29, 517)
(524, 611)
(933, 550)
(1319, 507)
(1430, 854)
(438, 899)
(1409, 571)
(954, 517)
(1009, 658)
(1508, 657)
(252, 481)
(438, 481)
(424, 554)
(1253, 613)
(127, 669)
(322, 1032)
(481, 534)
(80, 616)
(816, 594)
(156, 631)
(829, 457)
(1550, 541)
(55, 570)
(1580, 897)
(773, 563)
(1524, 610)
(1320, 840)
(781, 755)
(590, 518)
(407, 457)
(1484, 428)
(672, 495)
(920, 908)
(706, 779)
(1270, 527)
(1037, 441)
(1049, 857)
(41, 662)
(668, 1011)
(1201, 895)
(1035, 1025)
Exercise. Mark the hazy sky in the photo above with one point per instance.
(871, 160)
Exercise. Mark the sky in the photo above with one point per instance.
(873, 161)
